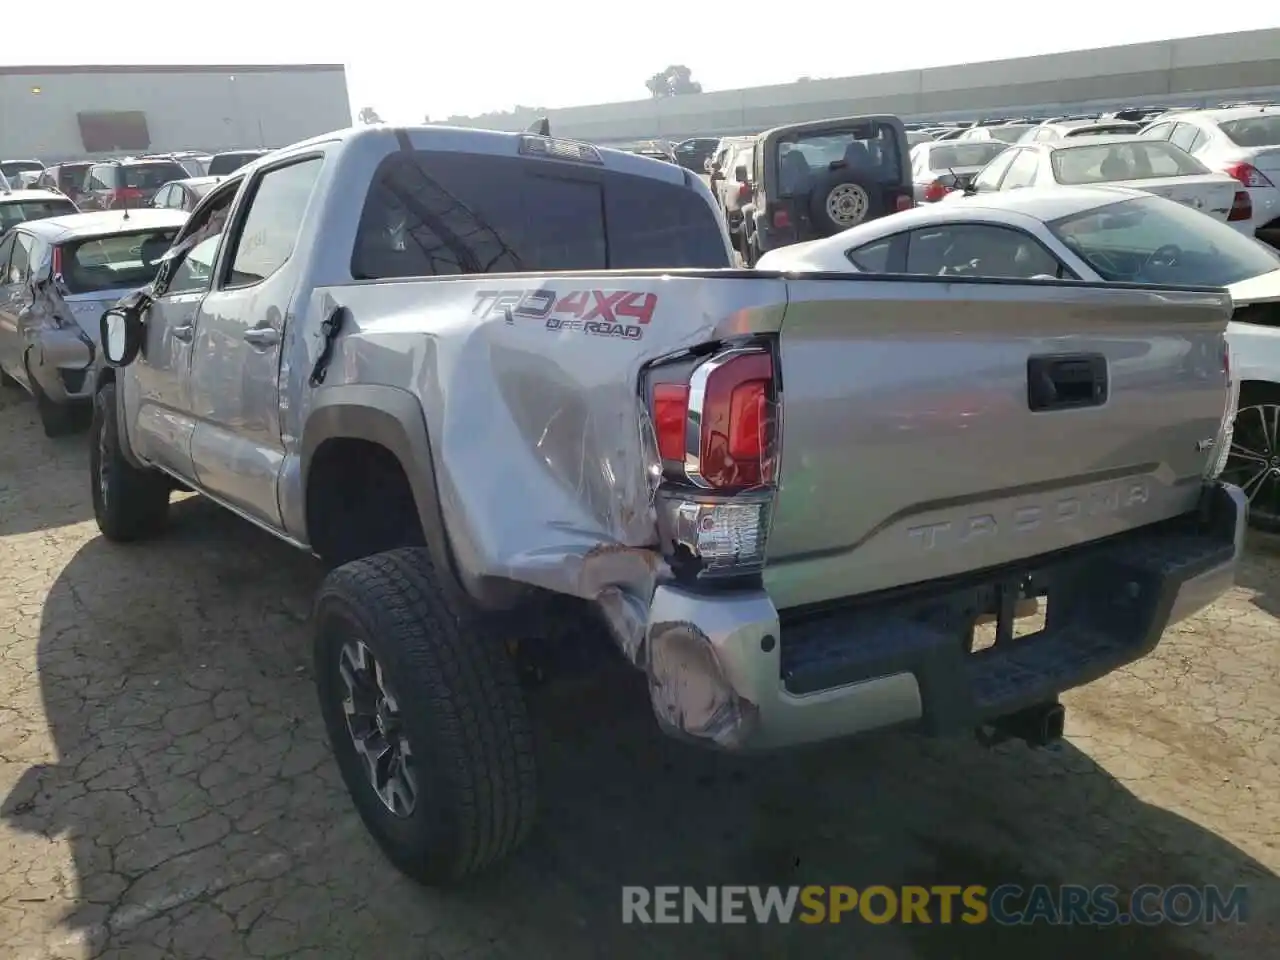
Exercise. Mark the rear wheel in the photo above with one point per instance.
(128, 503)
(425, 717)
(1254, 461)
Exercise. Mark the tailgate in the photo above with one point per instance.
(1210, 193)
(910, 449)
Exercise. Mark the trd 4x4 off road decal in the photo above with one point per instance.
(602, 313)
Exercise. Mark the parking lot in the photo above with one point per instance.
(166, 792)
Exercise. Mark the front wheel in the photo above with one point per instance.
(425, 717)
(128, 503)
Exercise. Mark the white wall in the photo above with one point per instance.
(199, 108)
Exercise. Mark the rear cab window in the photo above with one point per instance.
(438, 213)
(118, 260)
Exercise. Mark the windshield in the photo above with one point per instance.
(1009, 133)
(15, 212)
(1103, 130)
(1119, 242)
(11, 168)
(120, 260)
(1103, 162)
(870, 148)
(1262, 131)
(977, 153)
(225, 163)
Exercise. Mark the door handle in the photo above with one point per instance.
(184, 332)
(262, 336)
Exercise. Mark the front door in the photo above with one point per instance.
(237, 452)
(157, 391)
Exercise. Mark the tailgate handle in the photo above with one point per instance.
(1066, 381)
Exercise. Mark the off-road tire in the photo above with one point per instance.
(461, 707)
(135, 503)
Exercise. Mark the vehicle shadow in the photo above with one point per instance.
(1263, 575)
(206, 819)
(43, 482)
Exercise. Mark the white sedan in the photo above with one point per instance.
(1097, 235)
(1153, 166)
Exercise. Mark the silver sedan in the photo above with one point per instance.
(1098, 235)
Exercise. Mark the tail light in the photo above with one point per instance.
(1247, 174)
(744, 192)
(935, 191)
(716, 433)
(904, 202)
(1241, 207)
(1226, 429)
(781, 218)
(124, 195)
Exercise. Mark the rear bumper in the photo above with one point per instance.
(61, 363)
(728, 670)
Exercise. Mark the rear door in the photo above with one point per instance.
(237, 450)
(917, 443)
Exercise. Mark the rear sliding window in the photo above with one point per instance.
(150, 176)
(121, 260)
(434, 213)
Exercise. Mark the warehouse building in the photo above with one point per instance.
(65, 112)
(1188, 72)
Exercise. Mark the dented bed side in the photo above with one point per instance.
(546, 473)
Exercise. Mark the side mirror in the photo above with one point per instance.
(740, 174)
(122, 331)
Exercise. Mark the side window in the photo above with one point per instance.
(161, 198)
(1160, 131)
(979, 250)
(1022, 172)
(1185, 136)
(6, 251)
(989, 177)
(20, 262)
(880, 256)
(192, 270)
(270, 229)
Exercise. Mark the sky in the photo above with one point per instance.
(408, 60)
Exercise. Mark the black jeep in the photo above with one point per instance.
(815, 179)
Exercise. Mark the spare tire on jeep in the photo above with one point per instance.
(844, 198)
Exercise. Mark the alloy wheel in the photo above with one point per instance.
(377, 728)
(1254, 461)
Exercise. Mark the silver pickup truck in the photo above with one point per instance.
(475, 371)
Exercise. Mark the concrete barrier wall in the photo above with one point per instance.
(1176, 70)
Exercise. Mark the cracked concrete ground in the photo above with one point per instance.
(167, 792)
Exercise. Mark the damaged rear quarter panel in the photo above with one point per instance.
(529, 389)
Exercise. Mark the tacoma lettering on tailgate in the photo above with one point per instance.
(602, 313)
(1029, 516)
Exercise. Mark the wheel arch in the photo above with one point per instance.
(390, 418)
